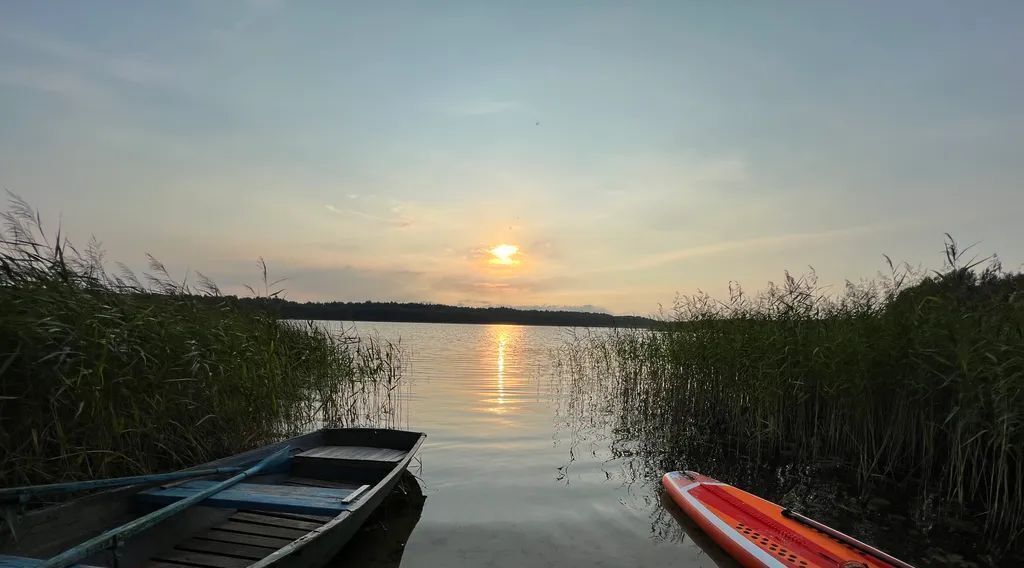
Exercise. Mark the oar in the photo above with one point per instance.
(29, 491)
(117, 536)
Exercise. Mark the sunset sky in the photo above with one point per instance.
(628, 151)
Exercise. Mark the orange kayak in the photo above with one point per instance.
(761, 534)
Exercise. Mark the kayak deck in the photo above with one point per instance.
(756, 532)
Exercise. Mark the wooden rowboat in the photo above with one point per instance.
(300, 511)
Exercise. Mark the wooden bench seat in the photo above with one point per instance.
(354, 453)
(329, 501)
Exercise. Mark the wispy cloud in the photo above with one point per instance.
(756, 243)
(124, 68)
(396, 220)
(55, 82)
(481, 108)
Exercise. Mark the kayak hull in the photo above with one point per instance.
(755, 532)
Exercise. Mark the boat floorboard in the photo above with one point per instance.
(242, 538)
(201, 559)
(262, 519)
(226, 548)
(246, 536)
(262, 530)
(312, 518)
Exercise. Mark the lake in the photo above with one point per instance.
(515, 471)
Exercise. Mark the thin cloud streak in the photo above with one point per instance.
(756, 243)
(482, 108)
(122, 68)
(399, 221)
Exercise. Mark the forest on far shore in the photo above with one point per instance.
(437, 313)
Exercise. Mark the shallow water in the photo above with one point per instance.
(533, 463)
(513, 474)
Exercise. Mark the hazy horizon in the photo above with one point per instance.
(547, 154)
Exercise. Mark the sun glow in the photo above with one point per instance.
(502, 254)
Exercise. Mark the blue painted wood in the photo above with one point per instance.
(22, 562)
(280, 498)
(18, 561)
(23, 493)
(307, 490)
(119, 534)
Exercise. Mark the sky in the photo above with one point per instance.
(629, 151)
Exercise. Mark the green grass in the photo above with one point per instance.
(916, 381)
(103, 375)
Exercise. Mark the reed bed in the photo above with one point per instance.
(104, 375)
(914, 381)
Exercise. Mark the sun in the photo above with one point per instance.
(502, 254)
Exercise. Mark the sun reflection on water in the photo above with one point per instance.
(502, 389)
(502, 343)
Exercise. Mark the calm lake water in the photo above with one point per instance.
(514, 474)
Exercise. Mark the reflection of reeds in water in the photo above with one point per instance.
(915, 384)
(602, 401)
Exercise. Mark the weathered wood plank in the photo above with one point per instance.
(355, 494)
(241, 538)
(310, 482)
(225, 548)
(302, 500)
(286, 490)
(275, 521)
(202, 559)
(359, 453)
(311, 518)
(262, 530)
(24, 562)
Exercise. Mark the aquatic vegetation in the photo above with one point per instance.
(914, 382)
(108, 374)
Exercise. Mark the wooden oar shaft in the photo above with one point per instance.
(864, 547)
(118, 534)
(10, 493)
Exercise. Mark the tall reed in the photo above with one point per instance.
(915, 380)
(104, 375)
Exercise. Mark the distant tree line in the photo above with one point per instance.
(437, 313)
